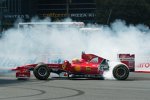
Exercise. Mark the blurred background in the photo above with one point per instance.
(88, 11)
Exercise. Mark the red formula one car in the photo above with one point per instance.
(89, 66)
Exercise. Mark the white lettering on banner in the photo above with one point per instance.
(17, 16)
(82, 15)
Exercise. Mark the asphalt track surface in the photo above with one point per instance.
(136, 87)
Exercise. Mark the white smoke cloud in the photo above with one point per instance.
(33, 44)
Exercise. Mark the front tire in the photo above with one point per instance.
(41, 72)
(121, 72)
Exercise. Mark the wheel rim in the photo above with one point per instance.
(120, 72)
(42, 71)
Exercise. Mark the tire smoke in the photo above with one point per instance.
(44, 43)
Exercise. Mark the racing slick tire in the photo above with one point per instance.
(121, 72)
(41, 72)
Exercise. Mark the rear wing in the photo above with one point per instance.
(129, 60)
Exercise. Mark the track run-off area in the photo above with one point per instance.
(136, 87)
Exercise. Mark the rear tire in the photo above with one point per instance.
(41, 72)
(121, 72)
